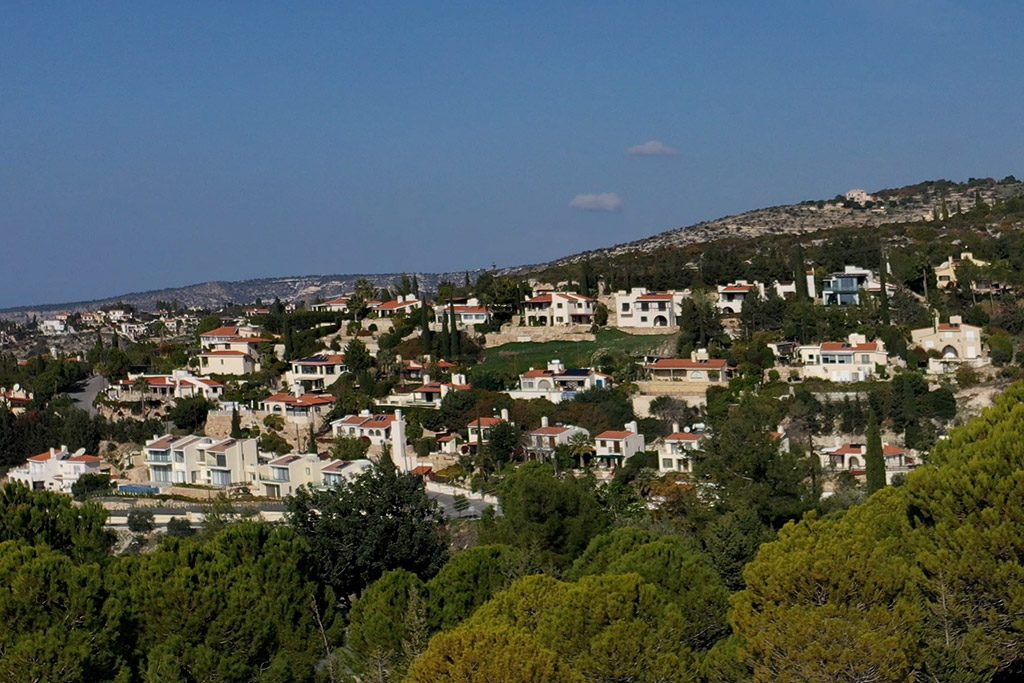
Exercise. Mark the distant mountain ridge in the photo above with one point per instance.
(910, 203)
(211, 294)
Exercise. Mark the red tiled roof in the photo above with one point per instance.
(538, 373)
(849, 449)
(304, 400)
(542, 299)
(225, 352)
(684, 436)
(549, 431)
(852, 348)
(422, 470)
(484, 422)
(83, 458)
(226, 331)
(395, 303)
(893, 450)
(655, 296)
(737, 288)
(612, 434)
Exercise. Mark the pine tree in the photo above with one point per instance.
(311, 442)
(874, 458)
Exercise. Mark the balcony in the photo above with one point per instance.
(158, 456)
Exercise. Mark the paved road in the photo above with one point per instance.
(87, 392)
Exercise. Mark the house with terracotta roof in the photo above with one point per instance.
(612, 447)
(403, 305)
(731, 296)
(336, 305)
(467, 313)
(542, 442)
(479, 430)
(676, 451)
(557, 382)
(316, 372)
(202, 460)
(955, 343)
(380, 430)
(640, 308)
(559, 308)
(282, 476)
(299, 408)
(853, 360)
(16, 399)
(166, 388)
(55, 469)
(699, 370)
(227, 362)
(338, 472)
(945, 272)
(850, 457)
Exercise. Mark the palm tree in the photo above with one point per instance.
(581, 445)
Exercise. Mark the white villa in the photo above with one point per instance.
(201, 460)
(731, 296)
(675, 452)
(854, 360)
(957, 343)
(612, 448)
(640, 308)
(55, 470)
(556, 382)
(559, 308)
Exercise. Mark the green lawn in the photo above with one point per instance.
(518, 357)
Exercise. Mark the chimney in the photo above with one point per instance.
(399, 452)
(632, 427)
(426, 378)
(458, 378)
(297, 389)
(544, 422)
(504, 414)
(935, 322)
(675, 427)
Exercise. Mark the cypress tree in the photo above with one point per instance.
(883, 293)
(236, 423)
(874, 458)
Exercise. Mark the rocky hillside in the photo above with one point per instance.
(906, 204)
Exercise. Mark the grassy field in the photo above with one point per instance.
(518, 357)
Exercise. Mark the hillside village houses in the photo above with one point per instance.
(282, 476)
(201, 460)
(731, 296)
(675, 452)
(429, 394)
(316, 372)
(667, 376)
(945, 272)
(166, 388)
(853, 360)
(403, 305)
(338, 305)
(844, 289)
(479, 430)
(559, 308)
(542, 442)
(788, 289)
(640, 308)
(955, 343)
(298, 408)
(55, 469)
(612, 447)
(16, 399)
(851, 457)
(557, 383)
(467, 314)
(227, 352)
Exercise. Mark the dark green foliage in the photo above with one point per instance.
(550, 516)
(89, 485)
(190, 413)
(179, 527)
(467, 581)
(61, 624)
(48, 518)
(380, 521)
(241, 606)
(140, 521)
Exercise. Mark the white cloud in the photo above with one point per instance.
(604, 201)
(653, 148)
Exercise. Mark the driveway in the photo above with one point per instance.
(87, 392)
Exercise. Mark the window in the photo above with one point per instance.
(666, 463)
(625, 307)
(865, 359)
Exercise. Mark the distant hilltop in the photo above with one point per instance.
(853, 208)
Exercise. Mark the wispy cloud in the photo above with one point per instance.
(603, 201)
(653, 148)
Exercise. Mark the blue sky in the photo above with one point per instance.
(147, 145)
